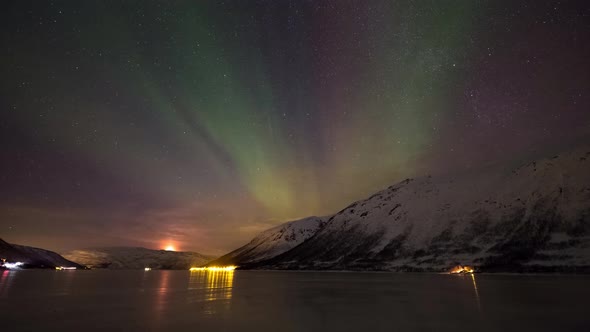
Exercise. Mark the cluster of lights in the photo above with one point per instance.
(147, 269)
(11, 266)
(17, 265)
(214, 268)
(462, 269)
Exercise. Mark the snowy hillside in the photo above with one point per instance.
(33, 257)
(535, 217)
(136, 258)
(273, 242)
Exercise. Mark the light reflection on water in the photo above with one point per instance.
(476, 293)
(5, 280)
(64, 279)
(211, 286)
(162, 294)
(289, 301)
(473, 284)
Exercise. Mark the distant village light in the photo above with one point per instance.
(213, 268)
(462, 269)
(11, 266)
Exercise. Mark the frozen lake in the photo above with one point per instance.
(100, 300)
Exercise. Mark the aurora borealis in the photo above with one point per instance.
(202, 123)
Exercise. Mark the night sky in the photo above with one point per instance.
(201, 123)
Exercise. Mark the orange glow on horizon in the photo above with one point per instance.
(170, 248)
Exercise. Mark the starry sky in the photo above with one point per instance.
(199, 124)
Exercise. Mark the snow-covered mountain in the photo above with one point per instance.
(136, 258)
(273, 242)
(532, 218)
(33, 257)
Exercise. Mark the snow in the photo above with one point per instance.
(136, 258)
(32, 257)
(274, 241)
(469, 218)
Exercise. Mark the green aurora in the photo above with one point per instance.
(202, 123)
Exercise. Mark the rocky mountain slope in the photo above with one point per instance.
(33, 257)
(272, 242)
(531, 218)
(136, 258)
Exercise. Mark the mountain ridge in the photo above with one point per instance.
(272, 242)
(33, 257)
(121, 257)
(535, 217)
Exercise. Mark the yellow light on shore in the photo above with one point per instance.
(461, 269)
(213, 268)
(147, 269)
